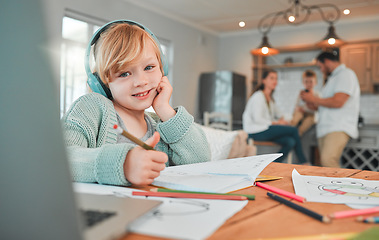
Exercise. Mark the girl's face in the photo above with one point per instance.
(134, 87)
(271, 81)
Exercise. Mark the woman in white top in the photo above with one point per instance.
(263, 121)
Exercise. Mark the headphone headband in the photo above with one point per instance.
(96, 35)
(94, 81)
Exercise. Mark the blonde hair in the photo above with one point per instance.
(121, 44)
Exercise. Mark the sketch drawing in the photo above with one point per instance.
(336, 190)
(346, 188)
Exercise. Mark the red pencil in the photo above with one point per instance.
(189, 195)
(280, 192)
(355, 212)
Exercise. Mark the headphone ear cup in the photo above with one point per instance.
(98, 86)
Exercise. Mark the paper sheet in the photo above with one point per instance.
(217, 176)
(336, 190)
(176, 218)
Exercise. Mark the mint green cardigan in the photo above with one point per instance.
(95, 155)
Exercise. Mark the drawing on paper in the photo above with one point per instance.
(181, 207)
(346, 188)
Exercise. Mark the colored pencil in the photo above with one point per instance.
(281, 192)
(299, 208)
(248, 196)
(368, 219)
(189, 195)
(355, 212)
(132, 138)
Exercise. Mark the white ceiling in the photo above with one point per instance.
(223, 16)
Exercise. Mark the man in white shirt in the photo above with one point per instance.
(338, 108)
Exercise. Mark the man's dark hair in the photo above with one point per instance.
(333, 56)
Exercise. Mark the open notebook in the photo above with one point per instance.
(37, 200)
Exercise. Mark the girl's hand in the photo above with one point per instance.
(161, 103)
(142, 166)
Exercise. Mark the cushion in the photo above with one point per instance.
(220, 142)
(240, 147)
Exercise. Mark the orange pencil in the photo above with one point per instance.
(280, 192)
(132, 138)
(189, 195)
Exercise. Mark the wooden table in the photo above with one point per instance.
(264, 218)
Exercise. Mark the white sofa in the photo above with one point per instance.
(228, 144)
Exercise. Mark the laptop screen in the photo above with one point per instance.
(36, 200)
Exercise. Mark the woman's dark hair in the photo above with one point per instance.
(333, 56)
(266, 72)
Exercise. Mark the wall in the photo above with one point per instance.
(195, 51)
(234, 54)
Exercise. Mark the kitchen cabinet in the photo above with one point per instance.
(363, 153)
(363, 58)
(375, 63)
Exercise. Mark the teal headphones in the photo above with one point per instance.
(94, 81)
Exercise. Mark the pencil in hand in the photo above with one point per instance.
(132, 138)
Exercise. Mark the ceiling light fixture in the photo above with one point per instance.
(265, 48)
(297, 14)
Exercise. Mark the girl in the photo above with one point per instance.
(129, 68)
(263, 121)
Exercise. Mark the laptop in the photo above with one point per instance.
(106, 217)
(37, 200)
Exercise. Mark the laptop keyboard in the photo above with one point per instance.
(92, 217)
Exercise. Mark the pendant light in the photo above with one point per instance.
(297, 14)
(265, 48)
(331, 40)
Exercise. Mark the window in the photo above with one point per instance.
(75, 37)
(73, 80)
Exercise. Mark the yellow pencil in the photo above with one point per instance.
(248, 196)
(132, 138)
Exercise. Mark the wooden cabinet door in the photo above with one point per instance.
(358, 58)
(375, 63)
